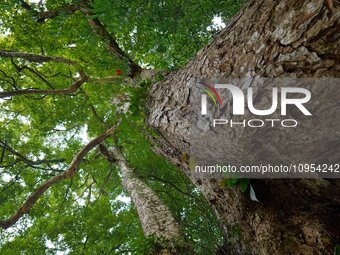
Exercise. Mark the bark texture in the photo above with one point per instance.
(268, 39)
(155, 217)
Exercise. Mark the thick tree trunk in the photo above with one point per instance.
(269, 39)
(155, 217)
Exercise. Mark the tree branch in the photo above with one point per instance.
(12, 82)
(36, 73)
(106, 153)
(29, 162)
(112, 45)
(34, 57)
(42, 16)
(97, 26)
(93, 109)
(70, 172)
(25, 5)
(72, 89)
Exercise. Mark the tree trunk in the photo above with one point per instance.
(268, 39)
(155, 217)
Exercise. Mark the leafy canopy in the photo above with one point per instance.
(40, 134)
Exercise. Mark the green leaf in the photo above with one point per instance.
(244, 184)
(232, 182)
(337, 250)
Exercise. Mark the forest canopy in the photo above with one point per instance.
(69, 71)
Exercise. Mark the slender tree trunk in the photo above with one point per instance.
(269, 39)
(155, 217)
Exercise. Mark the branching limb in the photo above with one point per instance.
(66, 195)
(9, 79)
(97, 26)
(42, 16)
(36, 73)
(29, 162)
(25, 5)
(107, 155)
(72, 89)
(111, 42)
(69, 173)
(34, 57)
(93, 109)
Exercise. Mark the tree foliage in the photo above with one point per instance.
(41, 131)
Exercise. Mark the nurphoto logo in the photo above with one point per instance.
(280, 97)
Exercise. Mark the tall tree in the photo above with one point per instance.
(58, 82)
(156, 218)
(266, 39)
(65, 75)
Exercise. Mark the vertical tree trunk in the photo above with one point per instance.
(269, 39)
(155, 217)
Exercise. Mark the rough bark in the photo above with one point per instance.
(155, 217)
(268, 39)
